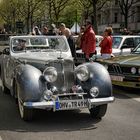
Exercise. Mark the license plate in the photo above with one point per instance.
(116, 78)
(70, 104)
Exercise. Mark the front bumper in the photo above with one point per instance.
(52, 104)
(125, 81)
(127, 84)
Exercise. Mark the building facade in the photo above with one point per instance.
(111, 15)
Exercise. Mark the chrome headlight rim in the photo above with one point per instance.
(133, 70)
(50, 74)
(82, 73)
(138, 70)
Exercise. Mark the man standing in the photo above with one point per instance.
(88, 41)
(66, 32)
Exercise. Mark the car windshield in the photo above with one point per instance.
(136, 50)
(116, 42)
(39, 43)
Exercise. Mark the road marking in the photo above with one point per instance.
(134, 97)
(0, 138)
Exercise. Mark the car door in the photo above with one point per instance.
(127, 45)
(136, 41)
(7, 67)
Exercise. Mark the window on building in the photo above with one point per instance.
(116, 2)
(138, 13)
(115, 17)
(99, 19)
(133, 16)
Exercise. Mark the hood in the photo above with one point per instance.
(132, 59)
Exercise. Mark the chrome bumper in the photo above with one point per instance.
(51, 104)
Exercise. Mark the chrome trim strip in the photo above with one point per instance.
(51, 104)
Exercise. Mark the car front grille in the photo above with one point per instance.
(118, 69)
(65, 80)
(115, 68)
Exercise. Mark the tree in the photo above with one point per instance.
(8, 13)
(30, 11)
(96, 5)
(27, 11)
(125, 6)
(57, 8)
(92, 6)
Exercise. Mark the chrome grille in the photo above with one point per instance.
(65, 80)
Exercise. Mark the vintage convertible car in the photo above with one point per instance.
(43, 76)
(124, 70)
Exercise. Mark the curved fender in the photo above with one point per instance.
(28, 80)
(99, 77)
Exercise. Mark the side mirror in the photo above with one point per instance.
(6, 51)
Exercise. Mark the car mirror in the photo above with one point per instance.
(6, 51)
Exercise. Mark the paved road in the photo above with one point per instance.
(120, 123)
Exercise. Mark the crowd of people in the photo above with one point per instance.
(86, 40)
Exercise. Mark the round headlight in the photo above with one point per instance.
(50, 74)
(139, 70)
(133, 70)
(82, 73)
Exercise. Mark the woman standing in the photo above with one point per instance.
(106, 43)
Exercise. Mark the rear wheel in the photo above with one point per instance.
(3, 87)
(25, 113)
(98, 111)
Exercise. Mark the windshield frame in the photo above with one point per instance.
(136, 50)
(60, 43)
(116, 43)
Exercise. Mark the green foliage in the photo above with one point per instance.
(39, 12)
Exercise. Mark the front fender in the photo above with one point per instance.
(100, 78)
(28, 81)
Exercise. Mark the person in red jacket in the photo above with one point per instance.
(88, 41)
(106, 44)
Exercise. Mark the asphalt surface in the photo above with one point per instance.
(120, 123)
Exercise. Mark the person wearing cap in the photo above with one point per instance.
(21, 45)
(106, 43)
(88, 41)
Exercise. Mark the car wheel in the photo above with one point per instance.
(25, 113)
(3, 87)
(98, 111)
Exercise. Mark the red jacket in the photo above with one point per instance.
(106, 45)
(88, 41)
